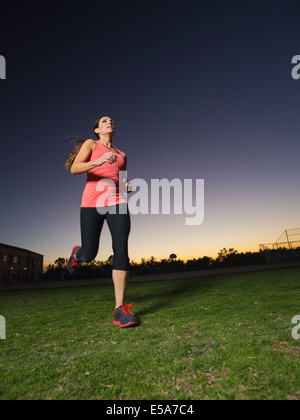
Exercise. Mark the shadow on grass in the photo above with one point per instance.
(171, 296)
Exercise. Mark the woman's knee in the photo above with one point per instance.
(121, 261)
(85, 256)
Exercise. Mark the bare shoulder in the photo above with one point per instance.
(90, 144)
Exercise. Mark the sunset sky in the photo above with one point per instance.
(197, 91)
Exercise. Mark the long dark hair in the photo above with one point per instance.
(79, 143)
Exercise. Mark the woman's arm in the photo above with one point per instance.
(128, 185)
(81, 163)
(125, 158)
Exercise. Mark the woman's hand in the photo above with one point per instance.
(109, 157)
(81, 163)
(128, 186)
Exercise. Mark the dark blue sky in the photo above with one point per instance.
(197, 90)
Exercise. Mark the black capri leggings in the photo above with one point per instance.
(91, 221)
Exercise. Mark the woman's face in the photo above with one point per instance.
(105, 126)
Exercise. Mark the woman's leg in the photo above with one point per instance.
(91, 223)
(120, 278)
(119, 226)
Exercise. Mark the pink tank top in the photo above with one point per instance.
(102, 185)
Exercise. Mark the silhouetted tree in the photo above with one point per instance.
(60, 262)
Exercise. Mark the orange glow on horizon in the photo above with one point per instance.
(180, 256)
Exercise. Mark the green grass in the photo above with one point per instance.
(221, 337)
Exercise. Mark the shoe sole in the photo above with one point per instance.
(129, 324)
(71, 270)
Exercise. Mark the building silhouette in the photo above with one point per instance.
(18, 265)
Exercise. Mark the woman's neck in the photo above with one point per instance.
(106, 140)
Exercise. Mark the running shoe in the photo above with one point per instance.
(73, 265)
(124, 317)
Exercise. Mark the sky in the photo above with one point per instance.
(197, 90)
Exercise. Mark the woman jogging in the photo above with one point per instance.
(103, 199)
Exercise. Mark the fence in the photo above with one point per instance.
(285, 249)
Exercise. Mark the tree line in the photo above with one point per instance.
(226, 258)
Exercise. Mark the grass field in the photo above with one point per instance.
(222, 337)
